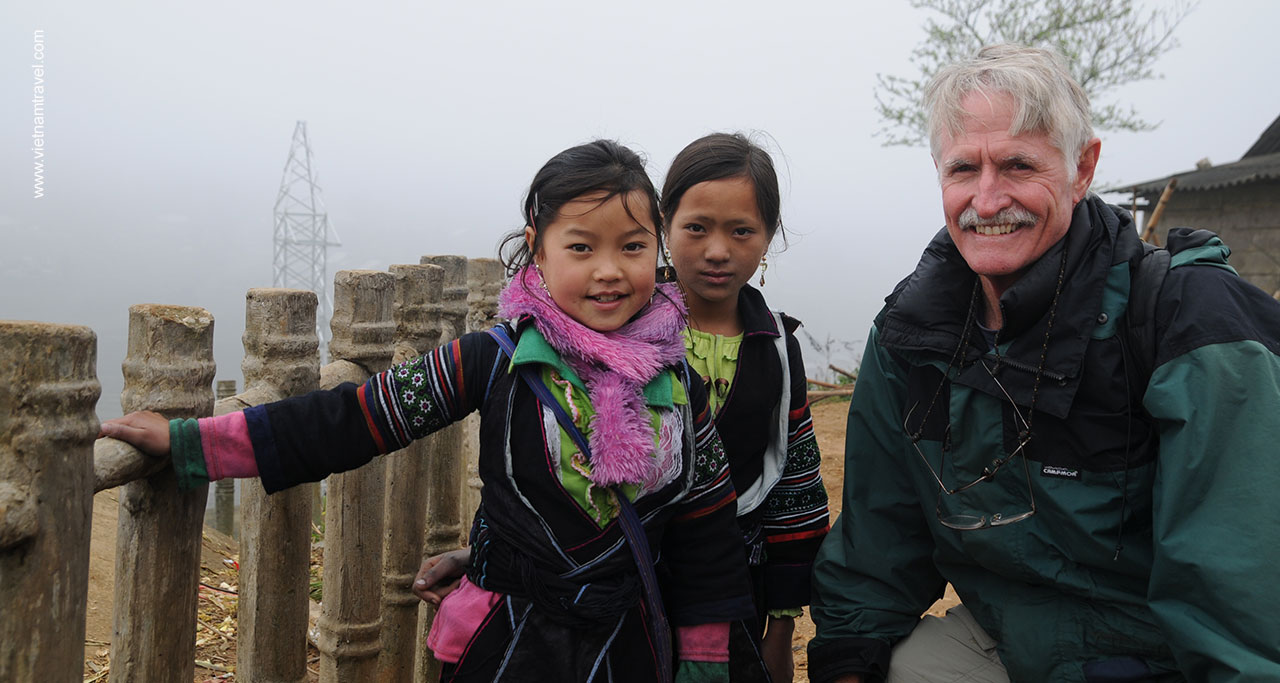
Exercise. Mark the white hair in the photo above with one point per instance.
(1047, 98)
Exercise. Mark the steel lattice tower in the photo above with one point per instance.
(303, 234)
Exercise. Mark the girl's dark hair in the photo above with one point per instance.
(724, 155)
(599, 166)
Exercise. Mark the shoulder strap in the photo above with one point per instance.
(628, 518)
(1144, 290)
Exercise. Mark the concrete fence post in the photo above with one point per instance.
(444, 457)
(168, 368)
(453, 303)
(418, 291)
(485, 278)
(48, 389)
(349, 628)
(281, 359)
(224, 490)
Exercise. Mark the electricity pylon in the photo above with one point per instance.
(303, 234)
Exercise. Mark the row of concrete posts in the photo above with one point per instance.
(381, 520)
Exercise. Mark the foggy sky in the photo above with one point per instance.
(168, 128)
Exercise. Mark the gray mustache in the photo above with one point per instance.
(1014, 214)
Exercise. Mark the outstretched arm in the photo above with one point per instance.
(306, 438)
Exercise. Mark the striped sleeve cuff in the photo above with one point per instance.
(187, 453)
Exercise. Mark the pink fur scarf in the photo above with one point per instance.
(615, 366)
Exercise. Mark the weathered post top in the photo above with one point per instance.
(280, 344)
(485, 278)
(168, 365)
(419, 289)
(454, 296)
(362, 326)
(48, 388)
(225, 388)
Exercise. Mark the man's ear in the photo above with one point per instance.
(1085, 168)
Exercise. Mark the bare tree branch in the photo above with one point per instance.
(1107, 43)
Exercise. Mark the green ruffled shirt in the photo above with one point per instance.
(714, 357)
(662, 392)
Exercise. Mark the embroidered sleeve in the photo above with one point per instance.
(795, 513)
(712, 488)
(420, 396)
(702, 545)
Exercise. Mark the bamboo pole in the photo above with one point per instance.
(846, 373)
(1149, 234)
(815, 396)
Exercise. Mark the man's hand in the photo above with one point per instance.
(440, 575)
(144, 430)
(775, 649)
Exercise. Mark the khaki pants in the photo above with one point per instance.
(950, 649)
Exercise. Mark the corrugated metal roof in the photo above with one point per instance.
(1247, 170)
(1261, 162)
(1268, 142)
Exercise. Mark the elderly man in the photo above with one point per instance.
(1106, 507)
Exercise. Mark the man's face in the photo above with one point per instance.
(1007, 199)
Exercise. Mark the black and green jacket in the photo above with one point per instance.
(1152, 551)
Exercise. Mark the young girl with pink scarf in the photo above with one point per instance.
(557, 587)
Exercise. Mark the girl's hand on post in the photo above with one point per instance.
(440, 575)
(145, 430)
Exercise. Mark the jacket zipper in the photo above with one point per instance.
(1027, 367)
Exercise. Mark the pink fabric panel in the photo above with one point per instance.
(703, 643)
(228, 452)
(460, 616)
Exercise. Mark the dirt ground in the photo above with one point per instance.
(216, 608)
(215, 634)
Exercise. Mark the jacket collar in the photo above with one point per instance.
(532, 347)
(924, 316)
(755, 315)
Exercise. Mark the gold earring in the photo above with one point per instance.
(666, 273)
(764, 265)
